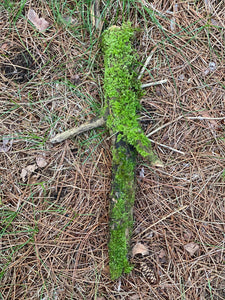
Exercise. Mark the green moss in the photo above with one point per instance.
(122, 88)
(121, 215)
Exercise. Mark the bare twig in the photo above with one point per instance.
(146, 63)
(167, 124)
(77, 130)
(154, 83)
(205, 118)
(186, 118)
(162, 219)
(165, 146)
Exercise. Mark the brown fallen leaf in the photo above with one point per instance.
(140, 249)
(191, 248)
(162, 256)
(41, 162)
(40, 23)
(28, 170)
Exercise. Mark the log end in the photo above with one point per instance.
(118, 251)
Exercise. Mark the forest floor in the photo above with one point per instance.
(54, 198)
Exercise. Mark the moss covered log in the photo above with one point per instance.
(122, 93)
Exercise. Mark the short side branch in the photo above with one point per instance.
(77, 130)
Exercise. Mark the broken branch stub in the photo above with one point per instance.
(78, 130)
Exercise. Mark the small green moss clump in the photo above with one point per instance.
(122, 88)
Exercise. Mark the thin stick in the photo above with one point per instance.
(162, 219)
(184, 117)
(147, 62)
(205, 118)
(167, 124)
(165, 146)
(77, 130)
(153, 83)
(93, 124)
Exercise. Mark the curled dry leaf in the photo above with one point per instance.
(31, 168)
(28, 170)
(191, 248)
(41, 162)
(140, 249)
(40, 23)
(162, 256)
(23, 174)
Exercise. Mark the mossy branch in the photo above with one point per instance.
(122, 93)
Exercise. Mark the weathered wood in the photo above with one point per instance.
(78, 130)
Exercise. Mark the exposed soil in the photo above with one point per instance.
(18, 65)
